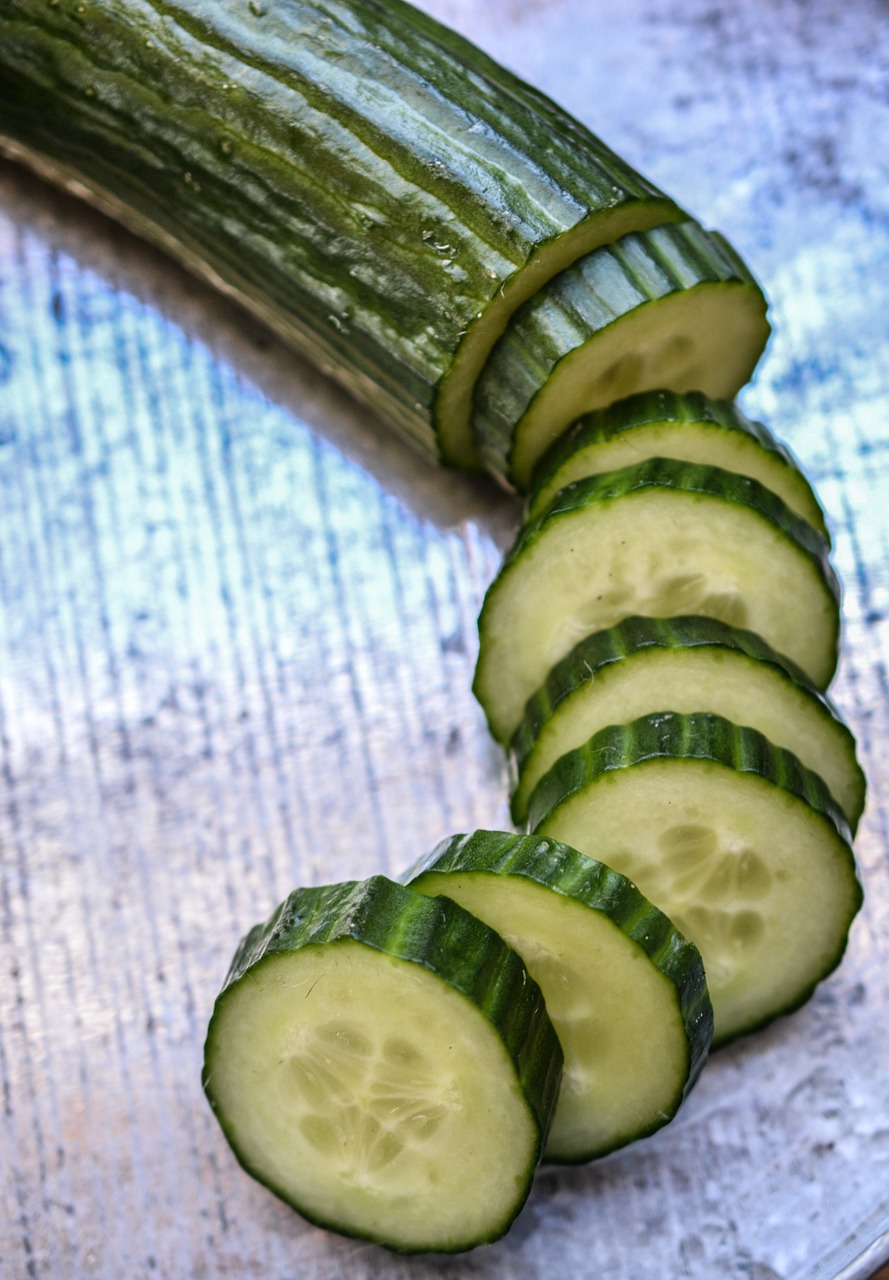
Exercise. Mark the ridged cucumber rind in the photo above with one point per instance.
(582, 499)
(364, 180)
(446, 942)
(709, 739)
(693, 477)
(559, 869)
(601, 293)
(674, 736)
(576, 452)
(638, 636)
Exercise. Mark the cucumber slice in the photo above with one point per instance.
(661, 538)
(625, 991)
(683, 664)
(664, 424)
(383, 1062)
(672, 307)
(733, 838)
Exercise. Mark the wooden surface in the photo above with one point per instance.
(237, 635)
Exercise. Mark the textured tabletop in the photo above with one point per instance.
(237, 636)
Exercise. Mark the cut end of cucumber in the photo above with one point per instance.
(365, 1083)
(453, 411)
(669, 308)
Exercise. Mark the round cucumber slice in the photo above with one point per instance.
(661, 538)
(664, 424)
(625, 991)
(732, 837)
(672, 307)
(383, 1062)
(685, 664)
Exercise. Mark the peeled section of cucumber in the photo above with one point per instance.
(625, 991)
(664, 424)
(685, 664)
(661, 538)
(384, 1063)
(672, 307)
(733, 838)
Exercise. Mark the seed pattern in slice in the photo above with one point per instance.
(672, 307)
(684, 664)
(384, 1063)
(740, 844)
(659, 539)
(626, 992)
(664, 424)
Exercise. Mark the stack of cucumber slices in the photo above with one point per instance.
(654, 655)
(395, 1058)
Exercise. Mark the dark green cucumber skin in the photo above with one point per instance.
(710, 738)
(444, 939)
(359, 175)
(564, 870)
(630, 636)
(638, 269)
(648, 407)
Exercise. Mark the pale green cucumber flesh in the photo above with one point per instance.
(759, 875)
(671, 308)
(387, 1068)
(662, 538)
(693, 428)
(625, 992)
(361, 178)
(683, 664)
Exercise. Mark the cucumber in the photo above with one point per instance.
(625, 991)
(368, 183)
(383, 1062)
(673, 307)
(692, 427)
(740, 844)
(660, 538)
(685, 664)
